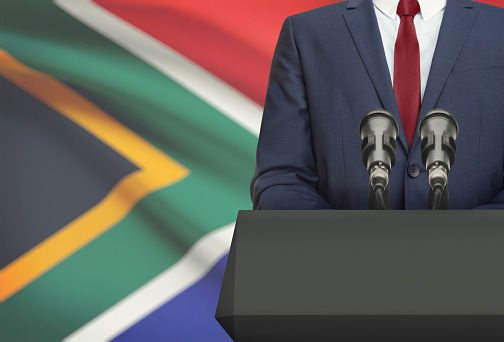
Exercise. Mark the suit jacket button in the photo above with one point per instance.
(413, 170)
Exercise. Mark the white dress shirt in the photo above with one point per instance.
(427, 24)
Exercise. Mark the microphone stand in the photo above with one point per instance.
(378, 200)
(378, 196)
(438, 200)
(441, 202)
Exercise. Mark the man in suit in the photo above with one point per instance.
(332, 65)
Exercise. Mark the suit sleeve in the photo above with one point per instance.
(496, 203)
(497, 183)
(286, 175)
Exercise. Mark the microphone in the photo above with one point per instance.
(378, 130)
(438, 130)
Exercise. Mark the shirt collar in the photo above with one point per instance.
(428, 8)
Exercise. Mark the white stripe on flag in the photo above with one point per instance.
(191, 268)
(200, 82)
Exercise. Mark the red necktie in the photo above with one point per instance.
(407, 68)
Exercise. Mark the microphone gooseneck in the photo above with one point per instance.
(378, 130)
(438, 130)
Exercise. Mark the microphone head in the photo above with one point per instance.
(438, 130)
(378, 130)
(440, 120)
(378, 118)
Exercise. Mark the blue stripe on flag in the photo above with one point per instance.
(188, 317)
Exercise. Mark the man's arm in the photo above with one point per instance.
(286, 175)
(496, 203)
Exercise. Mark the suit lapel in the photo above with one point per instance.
(361, 21)
(457, 22)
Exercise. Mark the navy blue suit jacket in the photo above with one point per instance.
(329, 69)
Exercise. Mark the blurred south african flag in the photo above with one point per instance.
(127, 140)
(127, 136)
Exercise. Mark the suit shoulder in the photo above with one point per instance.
(328, 12)
(490, 19)
(490, 11)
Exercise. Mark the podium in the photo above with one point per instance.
(405, 276)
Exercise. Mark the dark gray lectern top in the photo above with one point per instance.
(365, 276)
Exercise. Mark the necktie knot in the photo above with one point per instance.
(408, 7)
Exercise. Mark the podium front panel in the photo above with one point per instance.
(365, 275)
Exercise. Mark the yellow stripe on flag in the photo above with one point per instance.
(156, 171)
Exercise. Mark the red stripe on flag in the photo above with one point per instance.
(499, 3)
